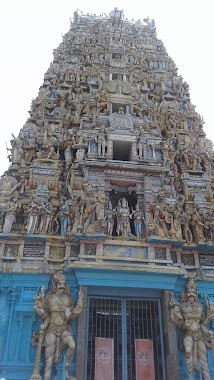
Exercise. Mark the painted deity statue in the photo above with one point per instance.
(139, 220)
(109, 217)
(57, 309)
(64, 217)
(189, 316)
(123, 217)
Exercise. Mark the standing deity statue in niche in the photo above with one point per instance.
(57, 309)
(123, 217)
(142, 145)
(102, 142)
(189, 317)
(64, 217)
(139, 220)
(109, 217)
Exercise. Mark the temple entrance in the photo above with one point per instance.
(124, 320)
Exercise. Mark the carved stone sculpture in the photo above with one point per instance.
(139, 220)
(142, 145)
(33, 215)
(10, 214)
(46, 216)
(64, 217)
(123, 217)
(57, 309)
(189, 317)
(102, 142)
(109, 217)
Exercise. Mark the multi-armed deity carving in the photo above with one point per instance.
(109, 99)
(191, 318)
(56, 309)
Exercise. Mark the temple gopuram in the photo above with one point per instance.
(107, 217)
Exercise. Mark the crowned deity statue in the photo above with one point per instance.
(10, 212)
(139, 220)
(189, 317)
(123, 217)
(57, 309)
(109, 217)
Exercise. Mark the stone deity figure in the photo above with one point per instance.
(109, 217)
(191, 157)
(10, 214)
(57, 309)
(70, 140)
(81, 144)
(123, 217)
(198, 224)
(46, 214)
(33, 215)
(142, 145)
(90, 213)
(102, 142)
(139, 220)
(64, 217)
(189, 316)
(17, 152)
(165, 154)
(31, 147)
(160, 214)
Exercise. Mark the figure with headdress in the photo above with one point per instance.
(10, 213)
(57, 309)
(123, 217)
(109, 217)
(189, 316)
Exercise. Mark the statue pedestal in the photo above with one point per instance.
(35, 377)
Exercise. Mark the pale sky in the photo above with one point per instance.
(31, 29)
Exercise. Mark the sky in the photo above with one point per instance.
(31, 29)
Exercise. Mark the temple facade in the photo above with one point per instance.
(107, 217)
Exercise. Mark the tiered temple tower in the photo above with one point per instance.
(110, 182)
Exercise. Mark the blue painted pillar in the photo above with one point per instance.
(14, 295)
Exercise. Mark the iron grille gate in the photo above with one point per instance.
(124, 320)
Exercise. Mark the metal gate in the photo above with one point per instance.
(124, 320)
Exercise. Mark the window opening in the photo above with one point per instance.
(122, 151)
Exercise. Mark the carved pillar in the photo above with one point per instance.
(170, 340)
(20, 321)
(2, 248)
(14, 295)
(134, 152)
(109, 154)
(81, 331)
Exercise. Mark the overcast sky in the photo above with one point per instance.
(31, 29)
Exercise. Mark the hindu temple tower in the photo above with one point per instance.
(109, 188)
